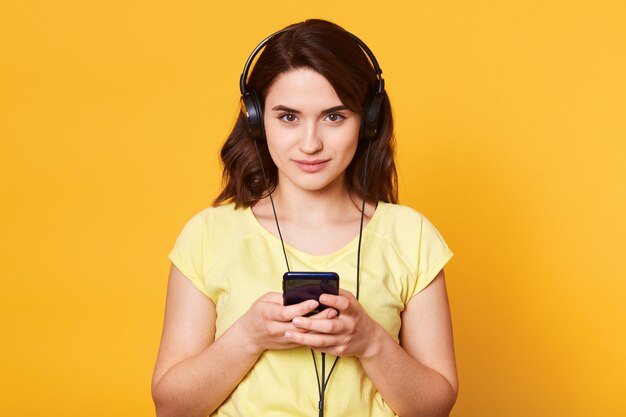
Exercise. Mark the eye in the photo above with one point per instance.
(288, 117)
(335, 117)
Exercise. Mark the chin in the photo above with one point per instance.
(315, 184)
(323, 180)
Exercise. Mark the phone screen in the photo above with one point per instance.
(302, 286)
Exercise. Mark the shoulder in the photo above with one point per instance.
(213, 228)
(415, 239)
(405, 227)
(223, 214)
(399, 217)
(215, 220)
(399, 210)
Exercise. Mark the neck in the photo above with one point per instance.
(315, 222)
(310, 206)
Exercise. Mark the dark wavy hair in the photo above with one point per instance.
(329, 50)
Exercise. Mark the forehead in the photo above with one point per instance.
(302, 88)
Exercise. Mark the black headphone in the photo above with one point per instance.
(252, 107)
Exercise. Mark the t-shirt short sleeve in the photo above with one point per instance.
(188, 251)
(433, 254)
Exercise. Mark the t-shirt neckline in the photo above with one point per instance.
(339, 252)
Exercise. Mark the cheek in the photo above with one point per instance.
(348, 148)
(274, 151)
(276, 140)
(269, 128)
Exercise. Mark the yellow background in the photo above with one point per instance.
(511, 130)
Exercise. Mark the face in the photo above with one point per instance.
(311, 135)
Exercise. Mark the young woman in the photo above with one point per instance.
(316, 122)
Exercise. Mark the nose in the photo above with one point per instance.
(310, 142)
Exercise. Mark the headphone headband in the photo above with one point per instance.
(243, 80)
(243, 86)
(253, 109)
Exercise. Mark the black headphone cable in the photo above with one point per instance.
(269, 193)
(323, 382)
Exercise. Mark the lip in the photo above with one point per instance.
(311, 165)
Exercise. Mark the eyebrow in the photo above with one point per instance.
(280, 107)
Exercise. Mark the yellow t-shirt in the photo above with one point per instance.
(231, 258)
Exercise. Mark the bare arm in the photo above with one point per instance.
(190, 361)
(195, 372)
(424, 363)
(417, 377)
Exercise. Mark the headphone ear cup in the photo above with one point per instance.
(371, 116)
(253, 112)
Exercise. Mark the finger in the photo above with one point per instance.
(288, 313)
(339, 302)
(273, 297)
(322, 342)
(327, 313)
(327, 326)
(277, 329)
(346, 293)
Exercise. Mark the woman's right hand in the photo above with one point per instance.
(267, 320)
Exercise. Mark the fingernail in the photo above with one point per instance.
(323, 298)
(297, 321)
(313, 304)
(288, 335)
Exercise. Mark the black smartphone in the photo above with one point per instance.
(302, 286)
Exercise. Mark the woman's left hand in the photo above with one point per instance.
(352, 333)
